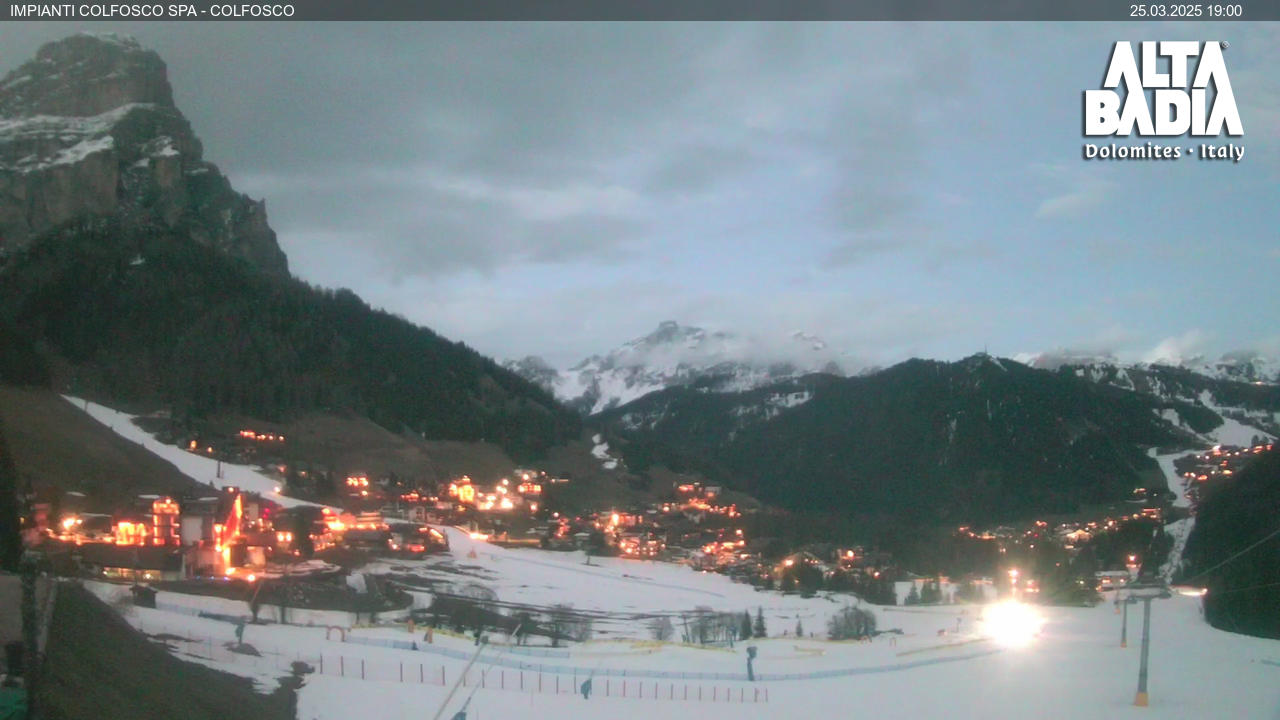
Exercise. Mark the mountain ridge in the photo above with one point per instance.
(982, 438)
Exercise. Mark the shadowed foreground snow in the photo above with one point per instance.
(1073, 669)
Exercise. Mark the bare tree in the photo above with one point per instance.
(851, 622)
(661, 628)
(568, 623)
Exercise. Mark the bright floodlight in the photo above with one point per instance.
(1011, 624)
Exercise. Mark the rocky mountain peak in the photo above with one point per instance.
(88, 128)
(85, 75)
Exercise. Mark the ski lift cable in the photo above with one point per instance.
(1251, 587)
(492, 661)
(1202, 573)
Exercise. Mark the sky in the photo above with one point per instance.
(899, 190)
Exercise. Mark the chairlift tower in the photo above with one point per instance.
(1145, 592)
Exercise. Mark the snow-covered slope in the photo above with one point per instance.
(1241, 389)
(674, 355)
(197, 467)
(1074, 667)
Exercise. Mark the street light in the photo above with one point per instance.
(1146, 592)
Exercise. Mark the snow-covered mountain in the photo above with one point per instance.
(1242, 388)
(1239, 366)
(679, 355)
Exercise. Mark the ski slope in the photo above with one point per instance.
(197, 467)
(1073, 668)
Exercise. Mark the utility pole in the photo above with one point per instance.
(1124, 624)
(31, 650)
(1146, 592)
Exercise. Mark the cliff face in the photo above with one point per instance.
(89, 127)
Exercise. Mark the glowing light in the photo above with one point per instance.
(467, 494)
(479, 536)
(1012, 624)
(252, 577)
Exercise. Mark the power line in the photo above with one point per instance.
(1233, 557)
(1251, 587)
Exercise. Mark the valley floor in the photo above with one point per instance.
(1074, 668)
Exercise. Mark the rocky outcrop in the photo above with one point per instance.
(89, 127)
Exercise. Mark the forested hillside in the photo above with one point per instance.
(1234, 550)
(137, 313)
(971, 441)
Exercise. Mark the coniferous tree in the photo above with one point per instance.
(744, 630)
(759, 630)
(913, 596)
(799, 628)
(888, 591)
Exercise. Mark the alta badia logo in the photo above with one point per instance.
(1164, 90)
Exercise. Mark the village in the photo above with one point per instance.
(1204, 471)
(230, 540)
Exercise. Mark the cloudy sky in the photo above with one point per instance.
(899, 190)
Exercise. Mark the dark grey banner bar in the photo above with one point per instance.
(568, 10)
